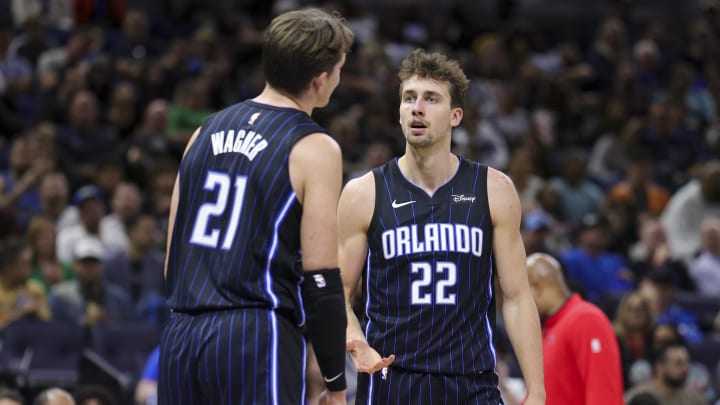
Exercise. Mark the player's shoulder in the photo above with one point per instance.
(498, 181)
(359, 187)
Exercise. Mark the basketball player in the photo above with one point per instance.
(258, 184)
(426, 229)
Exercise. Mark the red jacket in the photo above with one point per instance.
(581, 357)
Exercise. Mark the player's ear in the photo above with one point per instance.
(319, 81)
(457, 115)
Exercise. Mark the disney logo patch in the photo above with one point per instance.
(463, 198)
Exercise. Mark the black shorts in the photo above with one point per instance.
(409, 387)
(247, 356)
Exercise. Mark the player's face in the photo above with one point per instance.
(331, 82)
(426, 116)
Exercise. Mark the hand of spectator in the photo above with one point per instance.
(366, 359)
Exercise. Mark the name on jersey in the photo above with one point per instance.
(435, 237)
(248, 143)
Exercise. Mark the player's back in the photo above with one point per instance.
(235, 241)
(428, 289)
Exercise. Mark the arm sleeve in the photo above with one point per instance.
(598, 359)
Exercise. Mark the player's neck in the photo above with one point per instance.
(274, 97)
(428, 171)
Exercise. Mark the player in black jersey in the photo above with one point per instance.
(426, 231)
(256, 195)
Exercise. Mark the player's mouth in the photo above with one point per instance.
(418, 127)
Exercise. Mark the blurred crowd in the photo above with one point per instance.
(612, 139)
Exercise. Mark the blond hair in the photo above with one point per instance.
(301, 44)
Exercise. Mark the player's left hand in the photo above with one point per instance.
(366, 359)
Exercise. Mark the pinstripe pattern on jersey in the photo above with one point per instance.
(429, 322)
(258, 270)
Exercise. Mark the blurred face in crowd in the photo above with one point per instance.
(156, 117)
(84, 110)
(653, 235)
(54, 192)
(635, 313)
(17, 272)
(710, 235)
(143, 233)
(91, 212)
(673, 368)
(126, 200)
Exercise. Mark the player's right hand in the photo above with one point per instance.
(366, 359)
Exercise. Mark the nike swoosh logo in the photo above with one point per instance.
(396, 204)
(329, 380)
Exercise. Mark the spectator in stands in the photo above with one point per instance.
(54, 396)
(659, 288)
(633, 326)
(146, 389)
(19, 94)
(41, 237)
(91, 206)
(591, 266)
(671, 364)
(136, 42)
(20, 296)
(580, 351)
(190, 107)
(377, 153)
(539, 234)
(93, 395)
(159, 192)
(122, 110)
(89, 300)
(608, 156)
(578, 196)
(84, 143)
(126, 203)
(139, 269)
(149, 143)
(19, 184)
(54, 198)
(638, 190)
(675, 147)
(523, 171)
(9, 396)
(68, 55)
(652, 253)
(705, 268)
(688, 207)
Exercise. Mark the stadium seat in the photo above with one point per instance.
(125, 345)
(42, 353)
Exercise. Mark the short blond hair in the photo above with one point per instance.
(301, 44)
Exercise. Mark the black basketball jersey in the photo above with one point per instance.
(236, 238)
(428, 282)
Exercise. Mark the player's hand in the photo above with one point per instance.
(366, 359)
(333, 398)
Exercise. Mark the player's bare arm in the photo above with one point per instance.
(518, 306)
(355, 210)
(315, 166)
(174, 204)
(316, 175)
